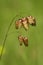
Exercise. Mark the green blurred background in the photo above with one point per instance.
(14, 54)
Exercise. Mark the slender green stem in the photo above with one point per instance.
(6, 36)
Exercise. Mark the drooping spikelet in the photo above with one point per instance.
(24, 22)
(25, 40)
(31, 20)
(20, 38)
(18, 24)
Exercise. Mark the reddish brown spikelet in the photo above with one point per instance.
(25, 40)
(24, 22)
(20, 38)
(18, 24)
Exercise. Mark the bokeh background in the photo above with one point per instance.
(14, 54)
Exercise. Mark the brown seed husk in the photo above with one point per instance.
(25, 40)
(25, 24)
(20, 38)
